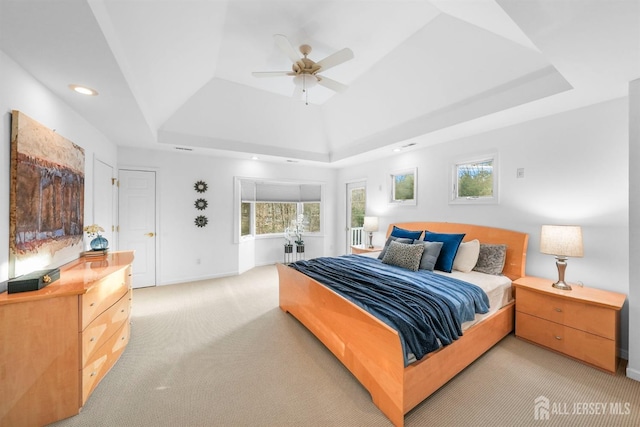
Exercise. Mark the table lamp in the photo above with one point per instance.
(562, 241)
(370, 225)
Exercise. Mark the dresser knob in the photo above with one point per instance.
(559, 310)
(93, 374)
(92, 339)
(92, 304)
(558, 338)
(122, 311)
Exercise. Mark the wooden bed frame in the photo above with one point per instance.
(371, 349)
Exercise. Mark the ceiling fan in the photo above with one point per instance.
(304, 70)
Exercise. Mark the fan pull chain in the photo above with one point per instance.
(304, 89)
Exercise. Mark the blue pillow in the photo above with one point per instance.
(408, 234)
(450, 244)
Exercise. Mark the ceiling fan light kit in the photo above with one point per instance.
(304, 70)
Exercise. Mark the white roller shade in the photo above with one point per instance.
(248, 191)
(279, 192)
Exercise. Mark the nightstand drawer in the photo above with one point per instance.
(588, 318)
(592, 349)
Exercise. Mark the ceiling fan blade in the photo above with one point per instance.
(272, 73)
(335, 59)
(285, 46)
(331, 84)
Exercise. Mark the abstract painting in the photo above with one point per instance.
(46, 197)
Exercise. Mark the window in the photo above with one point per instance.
(268, 208)
(403, 187)
(245, 219)
(358, 206)
(274, 217)
(475, 181)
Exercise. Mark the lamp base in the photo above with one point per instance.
(562, 285)
(370, 240)
(561, 263)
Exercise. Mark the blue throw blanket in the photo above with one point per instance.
(427, 309)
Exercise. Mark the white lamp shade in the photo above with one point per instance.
(370, 223)
(561, 240)
(307, 80)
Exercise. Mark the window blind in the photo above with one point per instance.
(254, 191)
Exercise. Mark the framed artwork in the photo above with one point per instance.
(403, 186)
(46, 197)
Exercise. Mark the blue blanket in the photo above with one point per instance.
(427, 309)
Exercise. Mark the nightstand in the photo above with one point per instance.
(582, 323)
(362, 249)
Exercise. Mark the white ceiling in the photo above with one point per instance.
(177, 73)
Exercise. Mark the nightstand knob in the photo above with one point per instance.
(559, 310)
(558, 338)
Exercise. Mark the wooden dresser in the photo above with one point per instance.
(582, 323)
(57, 343)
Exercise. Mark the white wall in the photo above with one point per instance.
(20, 91)
(576, 172)
(182, 243)
(633, 368)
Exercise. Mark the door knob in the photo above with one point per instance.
(150, 234)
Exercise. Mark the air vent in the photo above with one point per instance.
(184, 149)
(291, 161)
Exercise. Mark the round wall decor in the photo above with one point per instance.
(200, 186)
(201, 204)
(201, 221)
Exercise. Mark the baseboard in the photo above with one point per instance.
(624, 354)
(634, 374)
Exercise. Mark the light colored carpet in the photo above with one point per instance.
(221, 353)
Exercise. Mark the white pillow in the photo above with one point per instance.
(467, 256)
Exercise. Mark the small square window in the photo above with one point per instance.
(475, 181)
(404, 187)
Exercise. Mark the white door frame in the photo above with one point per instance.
(157, 211)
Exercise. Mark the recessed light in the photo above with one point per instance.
(396, 150)
(254, 157)
(83, 90)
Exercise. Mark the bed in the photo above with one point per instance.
(373, 351)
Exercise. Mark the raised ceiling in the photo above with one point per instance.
(177, 73)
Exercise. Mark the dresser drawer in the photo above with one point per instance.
(585, 317)
(104, 326)
(102, 295)
(103, 359)
(590, 348)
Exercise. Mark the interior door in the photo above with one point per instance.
(104, 197)
(356, 206)
(137, 220)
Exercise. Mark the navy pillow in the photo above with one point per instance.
(408, 234)
(450, 244)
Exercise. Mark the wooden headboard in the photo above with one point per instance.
(516, 260)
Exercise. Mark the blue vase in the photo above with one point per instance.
(99, 243)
